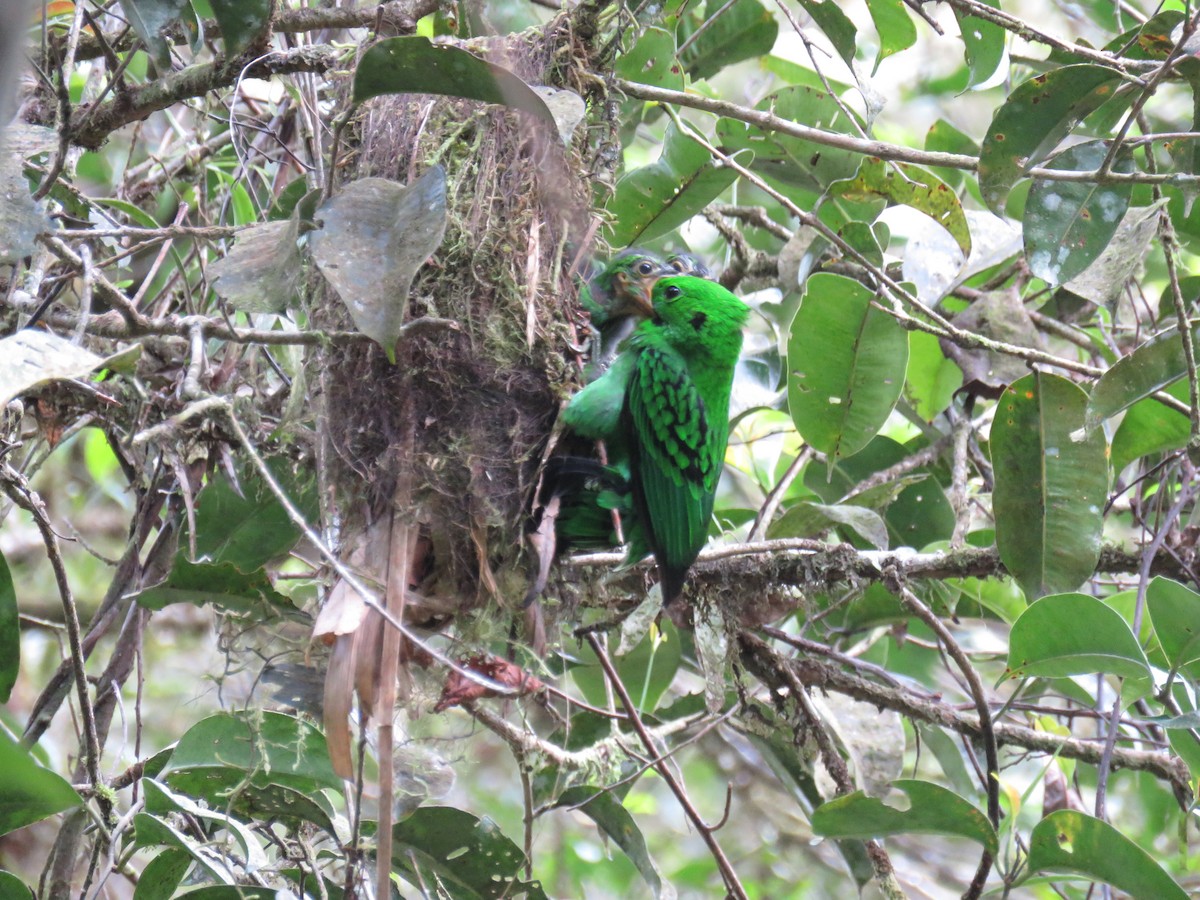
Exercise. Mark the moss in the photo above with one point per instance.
(483, 400)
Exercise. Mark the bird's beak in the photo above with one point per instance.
(644, 304)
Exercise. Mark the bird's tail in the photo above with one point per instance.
(588, 492)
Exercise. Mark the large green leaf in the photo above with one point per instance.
(931, 379)
(791, 160)
(658, 198)
(1034, 118)
(983, 45)
(223, 585)
(250, 527)
(161, 801)
(1151, 427)
(1068, 224)
(468, 856)
(603, 807)
(414, 65)
(846, 363)
(652, 61)
(1070, 841)
(1073, 634)
(287, 751)
(1049, 487)
(811, 519)
(10, 633)
(13, 888)
(1175, 612)
(744, 30)
(932, 810)
(28, 793)
(162, 875)
(1150, 367)
(911, 186)
(375, 235)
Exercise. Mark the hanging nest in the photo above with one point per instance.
(456, 430)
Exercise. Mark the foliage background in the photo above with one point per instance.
(915, 199)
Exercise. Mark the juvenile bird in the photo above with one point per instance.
(662, 409)
(616, 298)
(688, 264)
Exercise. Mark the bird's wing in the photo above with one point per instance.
(672, 456)
(595, 412)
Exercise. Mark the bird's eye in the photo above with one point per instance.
(645, 267)
(672, 292)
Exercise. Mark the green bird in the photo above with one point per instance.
(616, 298)
(663, 410)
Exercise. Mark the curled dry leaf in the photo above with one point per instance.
(460, 689)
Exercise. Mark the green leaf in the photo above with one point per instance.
(262, 273)
(13, 888)
(647, 670)
(1105, 281)
(612, 818)
(150, 17)
(895, 29)
(983, 45)
(1069, 841)
(790, 160)
(945, 138)
(1151, 366)
(28, 793)
(836, 25)
(1068, 224)
(932, 810)
(1049, 488)
(1034, 118)
(652, 61)
(250, 529)
(225, 586)
(162, 801)
(231, 892)
(811, 519)
(10, 633)
(1175, 612)
(375, 236)
(913, 187)
(286, 750)
(1188, 720)
(931, 379)
(442, 845)
(241, 22)
(920, 515)
(1073, 634)
(846, 363)
(745, 30)
(162, 875)
(413, 65)
(656, 199)
(1151, 427)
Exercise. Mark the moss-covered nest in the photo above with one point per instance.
(483, 397)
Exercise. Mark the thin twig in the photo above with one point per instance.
(732, 883)
(20, 493)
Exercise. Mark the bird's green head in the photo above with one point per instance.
(696, 312)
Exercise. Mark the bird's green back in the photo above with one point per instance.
(677, 418)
